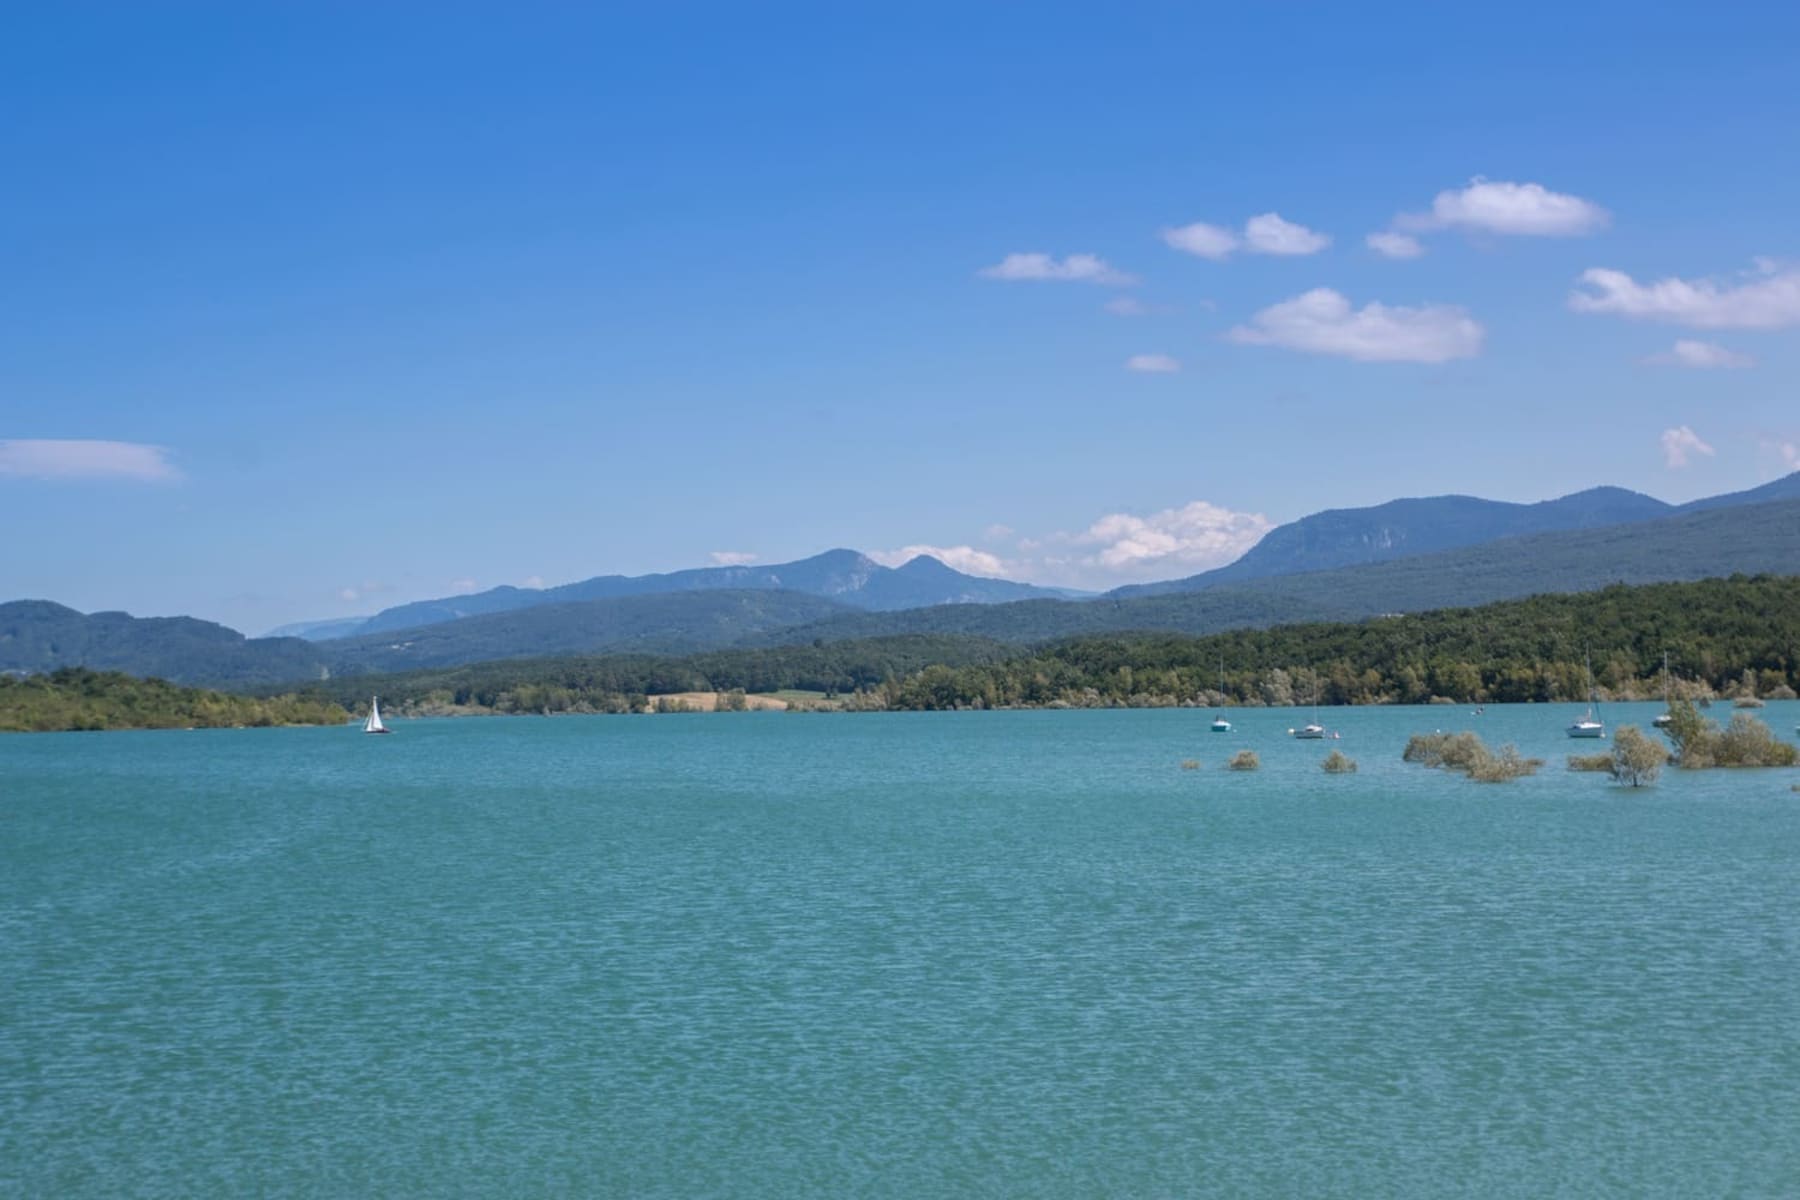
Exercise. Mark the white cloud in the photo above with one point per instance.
(1265, 234)
(1788, 453)
(966, 559)
(1076, 268)
(1521, 209)
(997, 532)
(463, 587)
(1269, 234)
(1126, 306)
(1681, 442)
(49, 458)
(1688, 352)
(533, 581)
(349, 595)
(1207, 241)
(1117, 548)
(1394, 245)
(1157, 364)
(1322, 322)
(1770, 299)
(1175, 541)
(731, 558)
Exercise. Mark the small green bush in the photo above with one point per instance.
(1590, 762)
(1244, 760)
(1338, 763)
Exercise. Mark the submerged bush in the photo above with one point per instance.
(1590, 762)
(1244, 760)
(1466, 752)
(1746, 742)
(1338, 763)
(1636, 760)
(1190, 764)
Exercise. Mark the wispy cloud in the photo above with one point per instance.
(731, 558)
(1046, 268)
(355, 592)
(1206, 241)
(535, 582)
(1688, 352)
(462, 587)
(49, 458)
(1155, 364)
(1785, 452)
(1680, 444)
(1515, 209)
(1268, 233)
(1322, 321)
(1768, 298)
(1394, 245)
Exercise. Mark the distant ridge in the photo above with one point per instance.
(38, 636)
(846, 576)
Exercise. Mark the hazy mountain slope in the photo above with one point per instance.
(678, 623)
(844, 575)
(37, 635)
(1407, 528)
(1754, 539)
(1785, 488)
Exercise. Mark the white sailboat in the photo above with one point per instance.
(1312, 731)
(1220, 724)
(1590, 725)
(373, 724)
(1668, 716)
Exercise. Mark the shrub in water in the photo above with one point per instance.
(1467, 753)
(1590, 762)
(1244, 760)
(1636, 759)
(1339, 763)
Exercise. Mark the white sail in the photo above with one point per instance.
(373, 724)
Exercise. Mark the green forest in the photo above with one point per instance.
(75, 699)
(1727, 637)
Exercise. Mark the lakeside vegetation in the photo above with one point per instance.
(77, 699)
(1733, 638)
(1745, 742)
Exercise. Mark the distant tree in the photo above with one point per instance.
(1636, 760)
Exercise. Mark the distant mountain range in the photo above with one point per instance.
(845, 576)
(1405, 556)
(36, 635)
(1409, 528)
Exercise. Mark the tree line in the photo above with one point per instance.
(1728, 637)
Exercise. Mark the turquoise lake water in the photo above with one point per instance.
(910, 955)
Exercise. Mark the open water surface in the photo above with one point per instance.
(982, 954)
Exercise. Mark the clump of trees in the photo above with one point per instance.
(1338, 763)
(1591, 762)
(1244, 760)
(1466, 752)
(76, 699)
(1745, 742)
(1636, 759)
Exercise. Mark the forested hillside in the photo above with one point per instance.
(1730, 636)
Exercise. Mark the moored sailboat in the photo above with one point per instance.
(1220, 724)
(1590, 725)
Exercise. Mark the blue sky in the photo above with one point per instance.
(307, 310)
